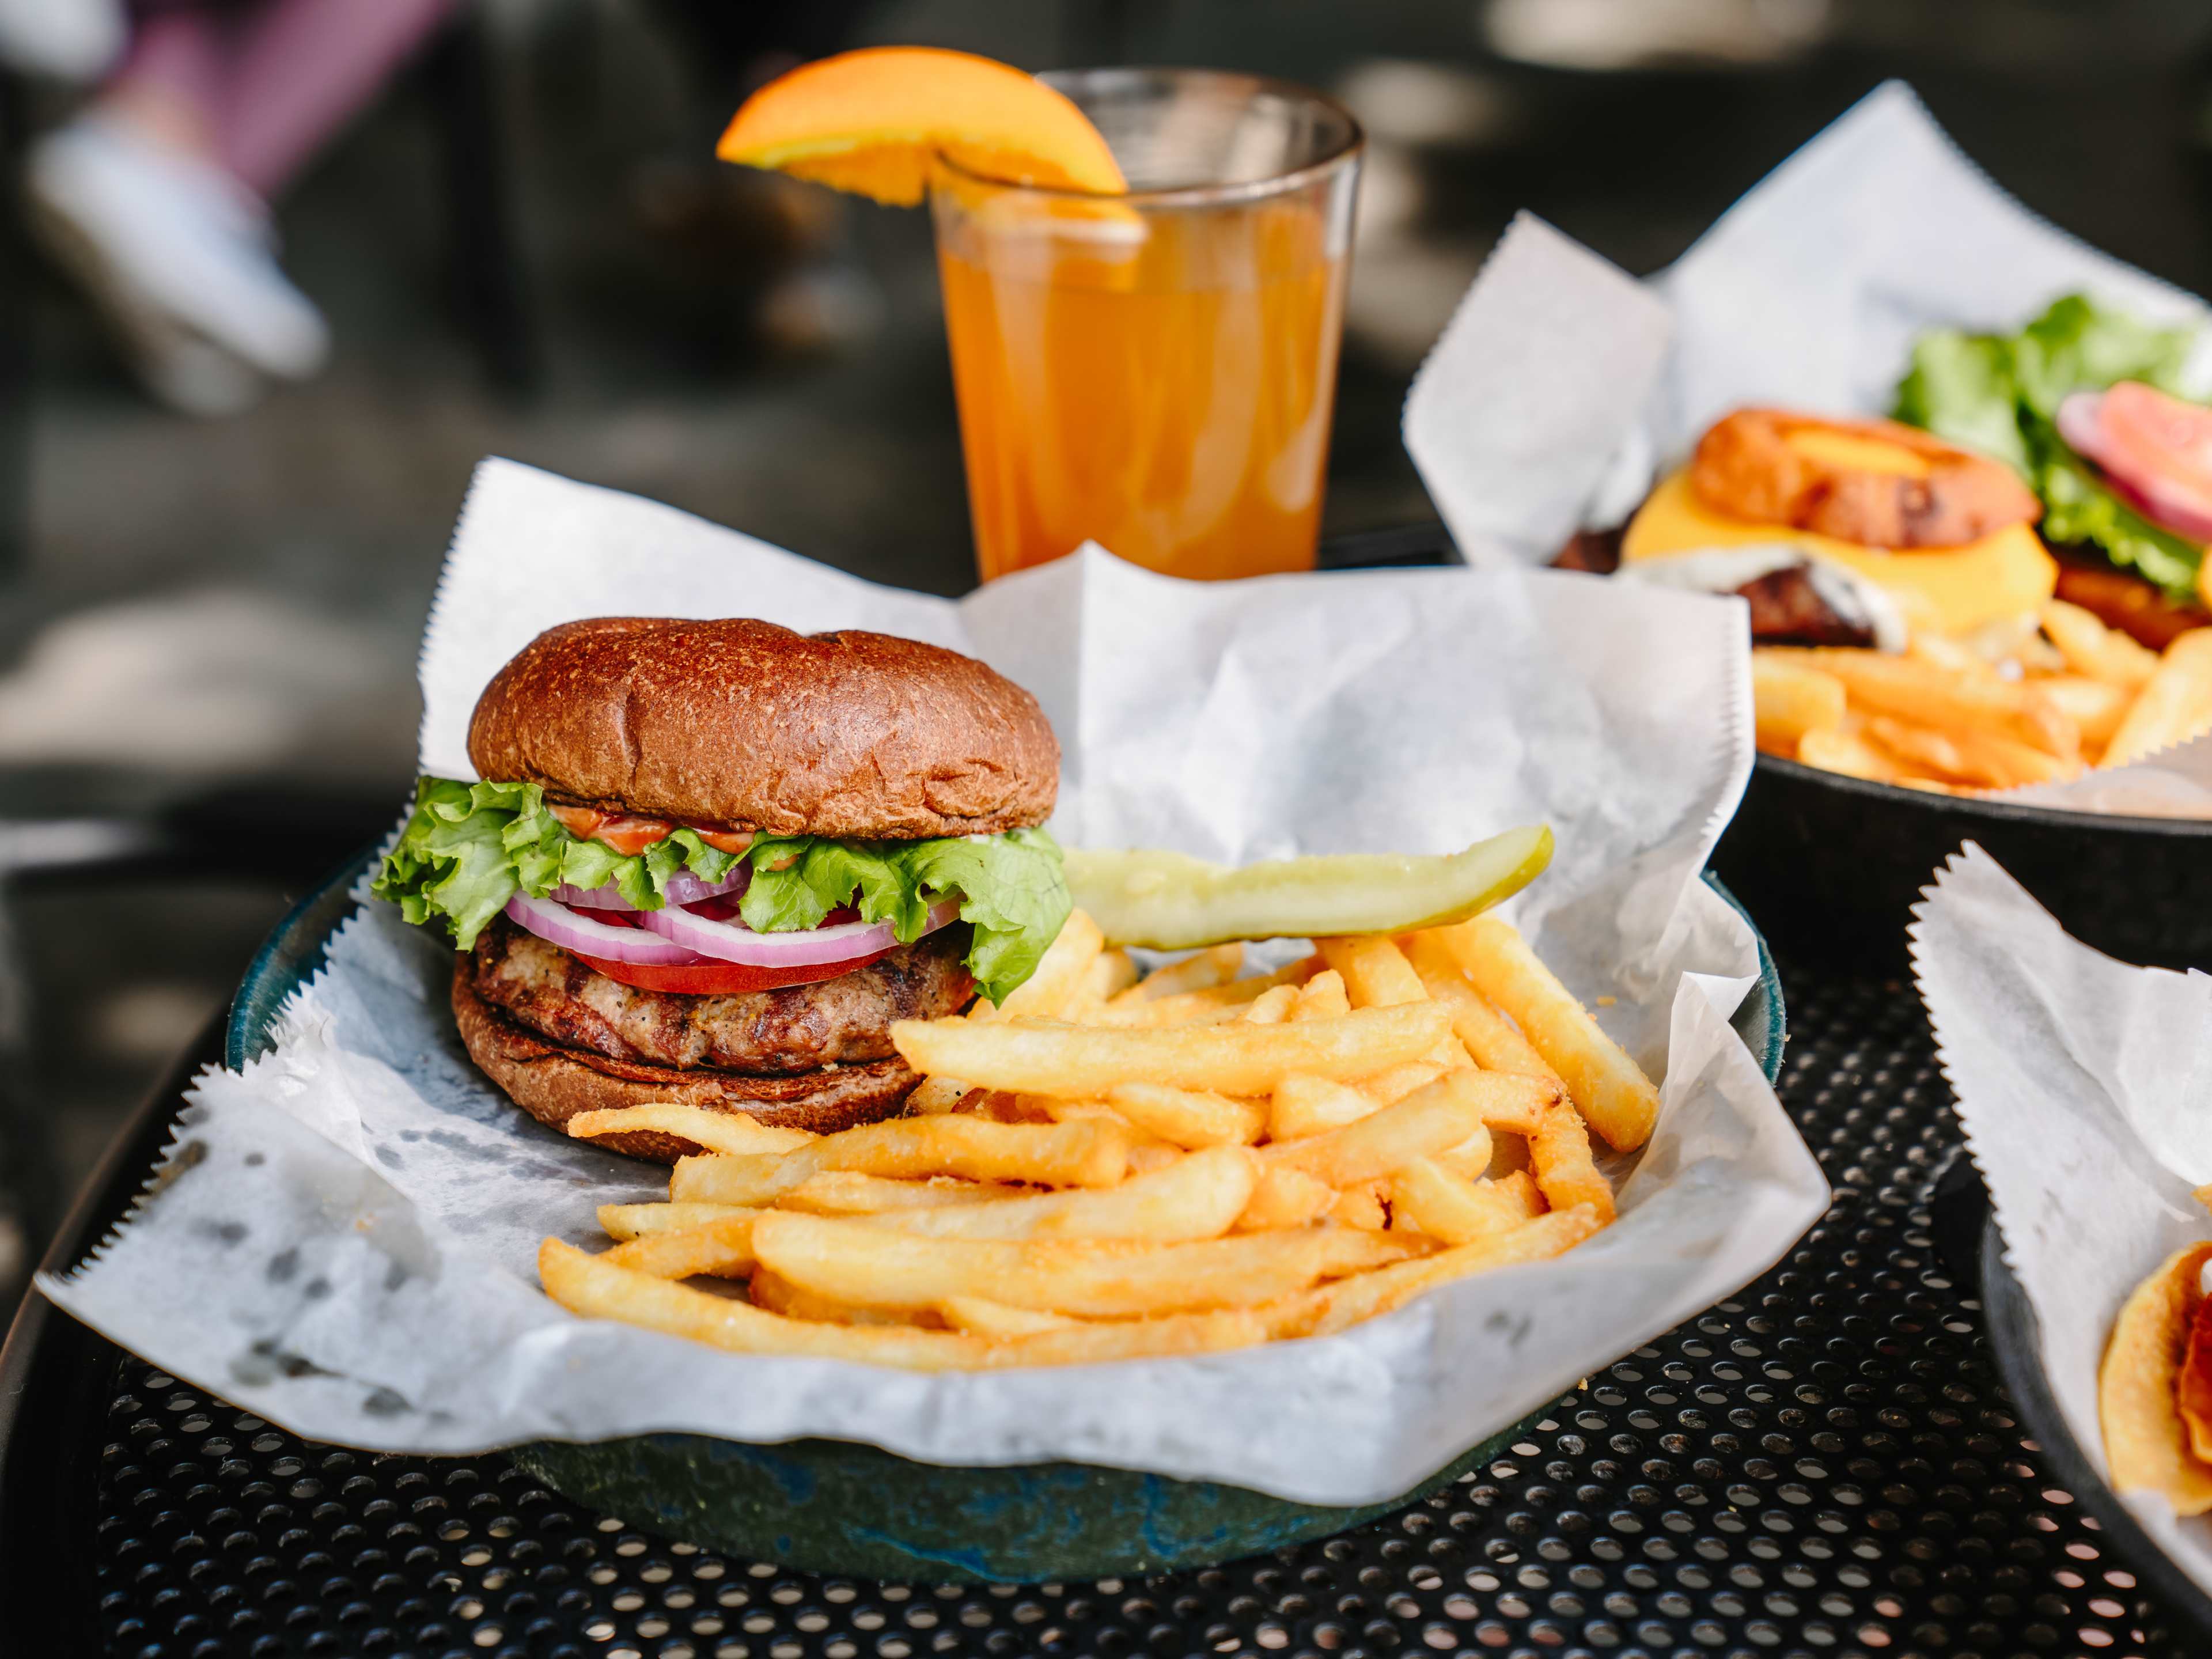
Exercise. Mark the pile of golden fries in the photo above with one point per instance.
(1111, 1167)
(1942, 717)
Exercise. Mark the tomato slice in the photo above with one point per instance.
(2192, 1388)
(628, 833)
(716, 979)
(2165, 433)
(733, 842)
(2155, 451)
(631, 833)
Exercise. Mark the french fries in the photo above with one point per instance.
(1062, 977)
(849, 1192)
(1200, 1195)
(1847, 752)
(717, 1131)
(1329, 1309)
(2175, 704)
(1091, 1154)
(1111, 1167)
(1608, 1088)
(2095, 651)
(1453, 1210)
(1307, 1105)
(721, 1248)
(623, 1222)
(1323, 997)
(1188, 1117)
(1231, 1057)
(1216, 965)
(1944, 718)
(848, 1260)
(1793, 698)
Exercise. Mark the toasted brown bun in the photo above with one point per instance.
(553, 1084)
(744, 724)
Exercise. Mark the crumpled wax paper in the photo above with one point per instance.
(2174, 783)
(2085, 1088)
(343, 1237)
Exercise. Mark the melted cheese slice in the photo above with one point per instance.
(1945, 590)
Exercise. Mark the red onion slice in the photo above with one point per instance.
(557, 924)
(732, 941)
(684, 887)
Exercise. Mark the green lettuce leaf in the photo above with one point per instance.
(468, 848)
(1010, 887)
(2078, 507)
(1999, 393)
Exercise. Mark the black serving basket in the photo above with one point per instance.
(1832, 865)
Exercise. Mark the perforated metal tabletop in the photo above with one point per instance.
(1824, 1465)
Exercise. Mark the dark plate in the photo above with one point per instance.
(829, 1506)
(1836, 864)
(2016, 1338)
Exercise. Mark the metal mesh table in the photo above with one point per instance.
(1824, 1465)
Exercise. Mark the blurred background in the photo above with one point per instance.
(423, 231)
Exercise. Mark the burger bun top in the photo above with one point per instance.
(745, 725)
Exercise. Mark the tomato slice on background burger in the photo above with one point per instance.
(716, 979)
(2155, 450)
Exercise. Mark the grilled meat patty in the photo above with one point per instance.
(799, 1028)
(1788, 608)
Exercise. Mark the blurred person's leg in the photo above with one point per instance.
(302, 70)
(156, 197)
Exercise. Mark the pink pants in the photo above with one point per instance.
(273, 80)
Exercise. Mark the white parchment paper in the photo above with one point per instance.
(343, 1237)
(2174, 783)
(2085, 1088)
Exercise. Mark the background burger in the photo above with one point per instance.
(710, 862)
(2057, 460)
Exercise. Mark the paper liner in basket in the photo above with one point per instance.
(343, 1239)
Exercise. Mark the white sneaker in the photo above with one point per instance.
(65, 39)
(158, 234)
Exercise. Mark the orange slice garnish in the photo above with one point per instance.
(872, 121)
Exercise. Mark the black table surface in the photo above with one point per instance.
(1823, 1464)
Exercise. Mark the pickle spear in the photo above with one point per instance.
(1172, 902)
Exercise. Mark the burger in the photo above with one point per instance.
(709, 863)
(2055, 461)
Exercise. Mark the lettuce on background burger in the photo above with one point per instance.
(2083, 402)
(711, 861)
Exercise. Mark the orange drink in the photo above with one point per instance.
(1155, 371)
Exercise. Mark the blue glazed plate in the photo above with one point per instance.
(834, 1507)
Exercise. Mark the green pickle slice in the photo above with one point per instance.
(1172, 902)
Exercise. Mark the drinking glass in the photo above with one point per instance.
(1156, 372)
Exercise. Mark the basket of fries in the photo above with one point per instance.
(1306, 1157)
(1077, 1225)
